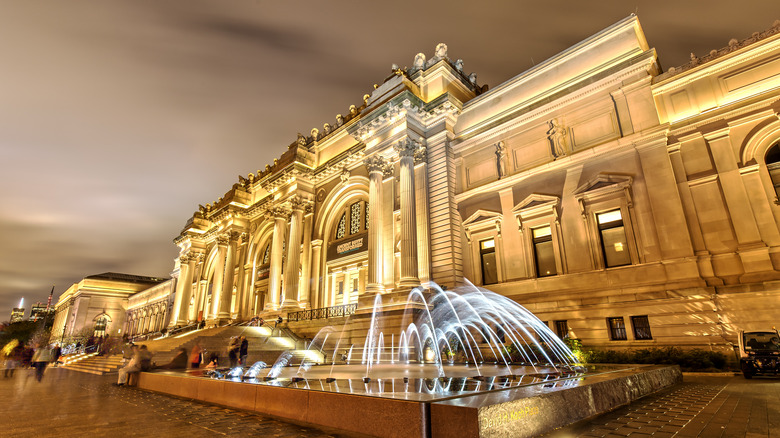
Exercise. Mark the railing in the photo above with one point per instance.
(323, 313)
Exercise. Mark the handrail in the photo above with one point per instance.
(323, 313)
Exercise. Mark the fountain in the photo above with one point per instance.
(465, 362)
(466, 332)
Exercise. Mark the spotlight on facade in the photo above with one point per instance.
(330, 380)
(366, 379)
(297, 379)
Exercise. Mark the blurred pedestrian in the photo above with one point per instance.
(56, 353)
(40, 360)
(278, 321)
(232, 350)
(195, 355)
(133, 366)
(145, 358)
(243, 351)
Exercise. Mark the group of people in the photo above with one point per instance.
(38, 356)
(238, 349)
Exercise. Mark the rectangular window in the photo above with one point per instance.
(543, 252)
(354, 284)
(487, 254)
(341, 288)
(614, 244)
(617, 329)
(562, 329)
(641, 327)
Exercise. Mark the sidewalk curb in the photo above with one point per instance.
(727, 374)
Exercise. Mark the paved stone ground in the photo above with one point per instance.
(71, 404)
(708, 407)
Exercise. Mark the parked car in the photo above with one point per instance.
(759, 353)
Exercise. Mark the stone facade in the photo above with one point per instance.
(97, 305)
(624, 205)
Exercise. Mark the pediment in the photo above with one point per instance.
(602, 184)
(536, 205)
(480, 217)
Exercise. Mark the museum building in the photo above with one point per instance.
(622, 204)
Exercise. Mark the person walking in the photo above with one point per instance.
(243, 351)
(233, 348)
(40, 360)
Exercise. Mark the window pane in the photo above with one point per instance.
(341, 229)
(545, 259)
(617, 329)
(615, 247)
(641, 327)
(541, 232)
(366, 215)
(489, 272)
(487, 244)
(610, 216)
(354, 218)
(562, 329)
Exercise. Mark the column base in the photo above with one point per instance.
(375, 288)
(408, 283)
(290, 306)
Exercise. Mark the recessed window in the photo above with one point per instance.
(614, 244)
(267, 254)
(487, 254)
(617, 328)
(543, 252)
(562, 328)
(641, 327)
(354, 284)
(341, 288)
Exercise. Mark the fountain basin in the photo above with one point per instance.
(407, 405)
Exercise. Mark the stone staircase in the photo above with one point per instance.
(92, 363)
(266, 344)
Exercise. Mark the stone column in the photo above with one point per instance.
(306, 280)
(292, 275)
(316, 263)
(376, 166)
(219, 275)
(185, 288)
(423, 226)
(248, 292)
(240, 305)
(275, 270)
(409, 279)
(226, 297)
(180, 282)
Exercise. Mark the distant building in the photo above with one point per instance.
(98, 304)
(17, 314)
(39, 311)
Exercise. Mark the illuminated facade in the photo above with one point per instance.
(624, 205)
(17, 314)
(97, 305)
(40, 311)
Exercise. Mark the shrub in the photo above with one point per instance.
(688, 360)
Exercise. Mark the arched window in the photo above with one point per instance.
(354, 219)
(772, 159)
(101, 323)
(267, 254)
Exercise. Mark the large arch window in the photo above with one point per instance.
(772, 159)
(353, 220)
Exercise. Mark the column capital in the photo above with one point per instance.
(277, 213)
(375, 163)
(420, 155)
(299, 203)
(406, 147)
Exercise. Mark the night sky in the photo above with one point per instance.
(117, 118)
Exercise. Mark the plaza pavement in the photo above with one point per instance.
(702, 406)
(72, 404)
